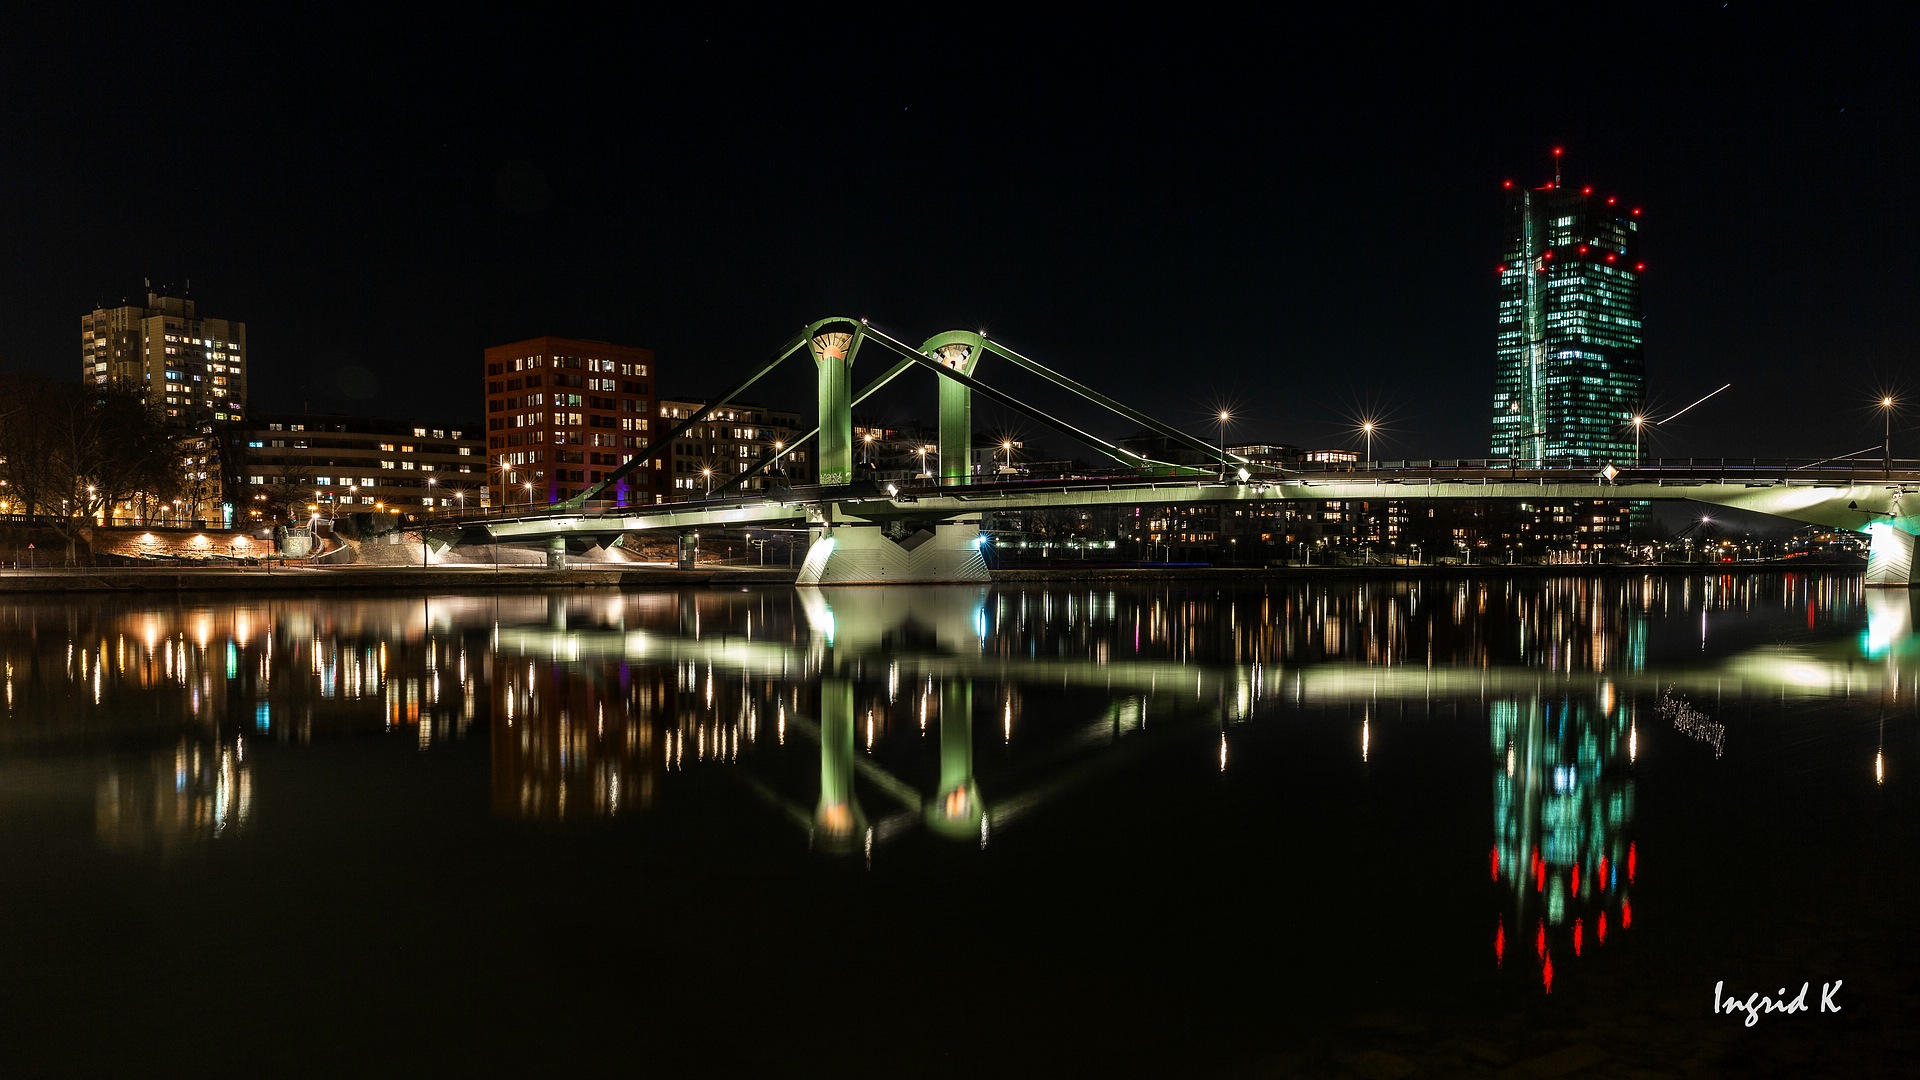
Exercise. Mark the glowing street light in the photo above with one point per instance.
(529, 486)
(1007, 445)
(1366, 428)
(1224, 417)
(708, 473)
(923, 451)
(866, 450)
(1886, 437)
(1639, 424)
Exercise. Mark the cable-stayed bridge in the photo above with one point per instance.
(865, 532)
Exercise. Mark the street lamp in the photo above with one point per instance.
(430, 482)
(529, 486)
(1007, 445)
(923, 452)
(866, 450)
(1224, 417)
(1639, 424)
(1366, 428)
(1886, 437)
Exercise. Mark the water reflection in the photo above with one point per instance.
(1562, 804)
(859, 718)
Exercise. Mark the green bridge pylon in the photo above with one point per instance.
(958, 350)
(834, 343)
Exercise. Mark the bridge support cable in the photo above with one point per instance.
(1110, 404)
(641, 459)
(1117, 453)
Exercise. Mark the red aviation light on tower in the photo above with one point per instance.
(1611, 200)
(1508, 184)
(1586, 191)
(1583, 249)
(1557, 151)
(1636, 211)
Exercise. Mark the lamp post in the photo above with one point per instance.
(1886, 436)
(708, 473)
(1224, 417)
(1366, 428)
(866, 449)
(1639, 424)
(923, 459)
(529, 486)
(430, 483)
(1007, 445)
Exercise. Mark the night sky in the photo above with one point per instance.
(1295, 216)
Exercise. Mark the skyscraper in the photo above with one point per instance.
(192, 370)
(1570, 376)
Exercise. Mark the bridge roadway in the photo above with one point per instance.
(898, 532)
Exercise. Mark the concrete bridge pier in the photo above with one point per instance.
(556, 553)
(865, 553)
(1889, 555)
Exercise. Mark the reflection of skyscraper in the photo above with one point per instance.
(1569, 374)
(1563, 796)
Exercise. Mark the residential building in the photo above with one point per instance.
(729, 442)
(285, 467)
(192, 369)
(1569, 374)
(563, 415)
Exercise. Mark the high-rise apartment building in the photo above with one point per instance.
(192, 369)
(1569, 377)
(562, 414)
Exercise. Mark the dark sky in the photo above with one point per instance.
(1293, 214)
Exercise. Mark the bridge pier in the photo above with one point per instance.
(1889, 555)
(556, 553)
(862, 553)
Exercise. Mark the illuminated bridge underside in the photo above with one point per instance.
(866, 557)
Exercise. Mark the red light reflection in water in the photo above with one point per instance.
(1576, 937)
(1632, 858)
(1626, 915)
(1540, 876)
(1500, 943)
(1573, 881)
(1600, 928)
(1546, 972)
(1540, 939)
(1495, 855)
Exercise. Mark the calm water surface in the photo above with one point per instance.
(1394, 827)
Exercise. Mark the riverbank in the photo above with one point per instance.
(236, 578)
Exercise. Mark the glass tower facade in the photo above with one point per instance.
(1570, 374)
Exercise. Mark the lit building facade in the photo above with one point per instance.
(279, 466)
(1569, 374)
(563, 414)
(729, 442)
(193, 370)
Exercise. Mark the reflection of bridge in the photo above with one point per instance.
(849, 625)
(938, 637)
(864, 533)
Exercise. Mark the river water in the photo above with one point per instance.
(1346, 827)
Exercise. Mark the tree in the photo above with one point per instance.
(71, 452)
